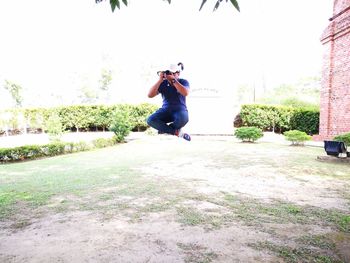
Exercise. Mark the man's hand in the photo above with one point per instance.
(170, 78)
(161, 75)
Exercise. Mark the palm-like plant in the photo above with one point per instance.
(116, 3)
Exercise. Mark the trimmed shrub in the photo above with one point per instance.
(248, 134)
(296, 137)
(31, 152)
(345, 137)
(55, 148)
(69, 147)
(28, 152)
(81, 146)
(104, 142)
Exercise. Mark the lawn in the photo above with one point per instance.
(162, 199)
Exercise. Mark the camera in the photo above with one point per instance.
(173, 68)
(166, 72)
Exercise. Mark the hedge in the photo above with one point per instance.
(279, 118)
(74, 118)
(306, 120)
(29, 152)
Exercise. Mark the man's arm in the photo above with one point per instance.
(154, 89)
(180, 88)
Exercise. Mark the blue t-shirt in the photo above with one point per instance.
(171, 97)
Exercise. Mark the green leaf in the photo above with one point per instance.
(217, 5)
(125, 2)
(203, 2)
(235, 4)
(114, 3)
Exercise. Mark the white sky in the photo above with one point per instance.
(54, 47)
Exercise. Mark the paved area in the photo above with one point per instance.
(18, 140)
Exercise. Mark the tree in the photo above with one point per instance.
(106, 79)
(15, 91)
(116, 3)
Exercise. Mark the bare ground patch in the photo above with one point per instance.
(198, 202)
(83, 236)
(256, 181)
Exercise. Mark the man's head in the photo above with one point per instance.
(173, 68)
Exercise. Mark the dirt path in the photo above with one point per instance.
(210, 200)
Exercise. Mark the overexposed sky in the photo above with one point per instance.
(55, 47)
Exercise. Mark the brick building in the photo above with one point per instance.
(335, 93)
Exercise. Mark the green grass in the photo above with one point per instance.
(35, 183)
(253, 211)
(295, 255)
(320, 241)
(197, 254)
(190, 216)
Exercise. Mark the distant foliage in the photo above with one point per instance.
(297, 137)
(248, 134)
(15, 91)
(345, 137)
(305, 92)
(298, 103)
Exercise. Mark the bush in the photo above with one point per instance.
(54, 127)
(255, 116)
(104, 142)
(297, 137)
(54, 148)
(345, 137)
(31, 152)
(121, 124)
(249, 134)
(81, 146)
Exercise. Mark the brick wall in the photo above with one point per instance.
(335, 93)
